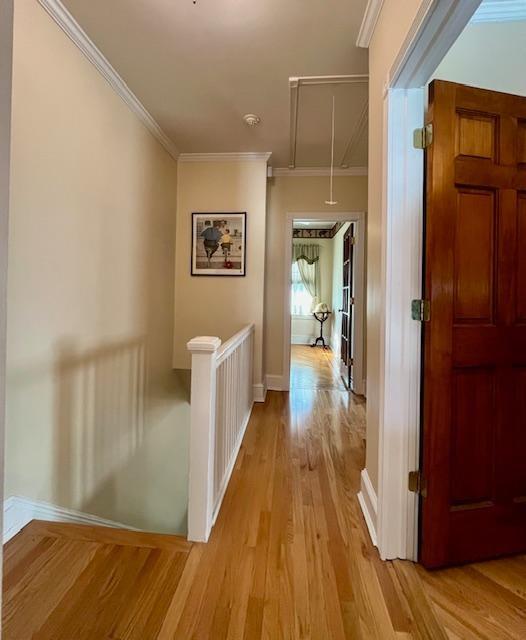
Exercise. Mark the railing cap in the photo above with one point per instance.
(207, 344)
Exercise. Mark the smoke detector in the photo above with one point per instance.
(251, 119)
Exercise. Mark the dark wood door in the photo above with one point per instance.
(474, 383)
(346, 351)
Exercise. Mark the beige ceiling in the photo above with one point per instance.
(313, 224)
(199, 68)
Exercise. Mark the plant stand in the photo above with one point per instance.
(321, 317)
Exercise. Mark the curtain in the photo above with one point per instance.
(307, 257)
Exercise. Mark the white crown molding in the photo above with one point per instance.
(225, 157)
(304, 172)
(500, 11)
(78, 36)
(370, 18)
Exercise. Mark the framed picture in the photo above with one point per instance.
(218, 244)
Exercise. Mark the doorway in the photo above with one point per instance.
(315, 310)
(316, 305)
(399, 435)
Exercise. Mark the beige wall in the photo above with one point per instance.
(488, 55)
(309, 327)
(291, 194)
(6, 50)
(220, 306)
(392, 27)
(95, 418)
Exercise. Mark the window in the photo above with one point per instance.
(301, 300)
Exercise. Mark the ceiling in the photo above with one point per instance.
(199, 68)
(313, 224)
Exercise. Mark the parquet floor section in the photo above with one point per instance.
(289, 558)
(314, 368)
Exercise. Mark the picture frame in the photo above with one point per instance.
(219, 244)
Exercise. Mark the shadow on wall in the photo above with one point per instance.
(112, 459)
(115, 447)
(99, 416)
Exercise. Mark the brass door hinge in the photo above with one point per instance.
(417, 484)
(421, 310)
(422, 138)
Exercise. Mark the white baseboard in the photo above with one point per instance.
(260, 392)
(18, 512)
(275, 383)
(302, 339)
(369, 504)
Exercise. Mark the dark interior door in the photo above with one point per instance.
(346, 352)
(474, 383)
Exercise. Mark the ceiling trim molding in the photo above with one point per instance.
(500, 11)
(78, 36)
(304, 172)
(225, 157)
(370, 18)
(317, 80)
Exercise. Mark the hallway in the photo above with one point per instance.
(289, 557)
(314, 368)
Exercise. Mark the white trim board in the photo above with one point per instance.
(434, 30)
(78, 36)
(18, 512)
(274, 383)
(370, 18)
(369, 505)
(500, 11)
(260, 391)
(306, 172)
(303, 339)
(226, 157)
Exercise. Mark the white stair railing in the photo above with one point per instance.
(221, 404)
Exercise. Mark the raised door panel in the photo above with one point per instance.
(474, 257)
(473, 437)
(476, 135)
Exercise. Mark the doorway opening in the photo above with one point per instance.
(397, 527)
(324, 306)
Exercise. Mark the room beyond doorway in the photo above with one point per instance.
(323, 331)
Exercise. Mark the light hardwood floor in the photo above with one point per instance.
(289, 558)
(314, 368)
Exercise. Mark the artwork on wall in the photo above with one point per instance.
(218, 244)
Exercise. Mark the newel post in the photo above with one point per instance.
(202, 436)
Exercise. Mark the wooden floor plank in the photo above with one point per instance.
(289, 558)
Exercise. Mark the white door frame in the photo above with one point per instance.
(436, 27)
(359, 218)
(6, 57)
